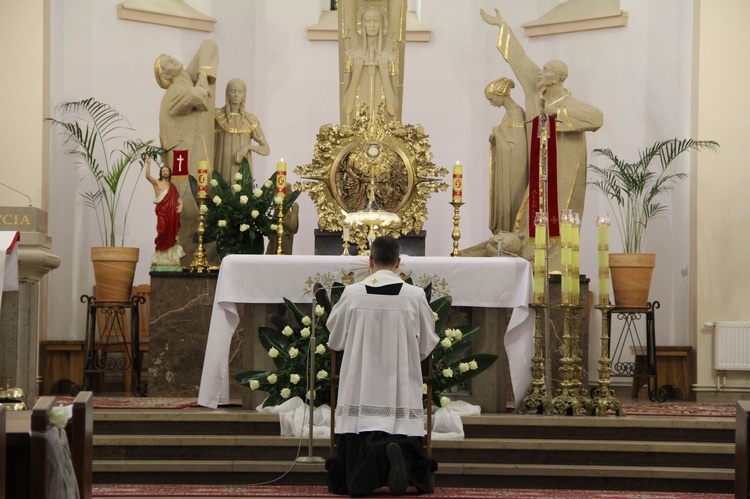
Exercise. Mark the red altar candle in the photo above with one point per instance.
(458, 182)
(202, 178)
(281, 177)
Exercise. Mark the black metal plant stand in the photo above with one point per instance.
(110, 347)
(629, 337)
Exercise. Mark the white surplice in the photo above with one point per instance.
(384, 338)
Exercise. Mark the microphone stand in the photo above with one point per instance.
(309, 458)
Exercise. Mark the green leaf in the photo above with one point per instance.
(245, 377)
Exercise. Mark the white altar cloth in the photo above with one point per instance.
(475, 282)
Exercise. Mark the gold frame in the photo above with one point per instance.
(336, 142)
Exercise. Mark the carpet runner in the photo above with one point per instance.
(321, 491)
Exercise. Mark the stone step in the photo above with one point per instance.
(448, 475)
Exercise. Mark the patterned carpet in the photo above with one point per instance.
(238, 491)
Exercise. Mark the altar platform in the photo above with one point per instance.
(219, 316)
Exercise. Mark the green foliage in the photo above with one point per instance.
(240, 213)
(451, 366)
(633, 188)
(93, 135)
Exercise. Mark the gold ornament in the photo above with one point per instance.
(389, 157)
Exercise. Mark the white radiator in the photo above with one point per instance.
(732, 346)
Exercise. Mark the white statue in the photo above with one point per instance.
(372, 57)
(186, 125)
(509, 173)
(544, 91)
(236, 130)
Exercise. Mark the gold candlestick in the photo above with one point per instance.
(456, 235)
(536, 400)
(568, 402)
(604, 397)
(280, 229)
(200, 263)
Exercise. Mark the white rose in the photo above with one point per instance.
(272, 378)
(278, 199)
(217, 200)
(446, 343)
(319, 310)
(307, 395)
(457, 334)
(244, 227)
(444, 401)
(257, 193)
(473, 365)
(203, 209)
(436, 316)
(306, 320)
(214, 182)
(305, 333)
(254, 384)
(320, 349)
(463, 367)
(287, 331)
(274, 227)
(254, 213)
(244, 199)
(238, 176)
(424, 389)
(293, 352)
(449, 333)
(59, 415)
(236, 187)
(448, 373)
(322, 374)
(273, 353)
(285, 393)
(268, 184)
(222, 223)
(294, 378)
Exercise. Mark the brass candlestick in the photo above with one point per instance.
(280, 229)
(579, 391)
(537, 400)
(200, 263)
(568, 401)
(604, 397)
(456, 235)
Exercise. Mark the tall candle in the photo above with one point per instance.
(540, 255)
(281, 177)
(202, 179)
(566, 258)
(576, 262)
(345, 233)
(458, 182)
(603, 224)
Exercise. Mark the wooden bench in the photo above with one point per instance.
(26, 474)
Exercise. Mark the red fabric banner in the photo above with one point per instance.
(535, 180)
(179, 163)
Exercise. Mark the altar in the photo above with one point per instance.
(497, 289)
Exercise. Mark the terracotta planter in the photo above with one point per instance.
(631, 278)
(114, 269)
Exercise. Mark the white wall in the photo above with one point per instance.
(721, 207)
(639, 76)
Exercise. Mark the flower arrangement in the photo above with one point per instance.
(288, 346)
(240, 213)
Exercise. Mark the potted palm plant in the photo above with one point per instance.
(94, 135)
(634, 190)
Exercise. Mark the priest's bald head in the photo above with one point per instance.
(385, 253)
